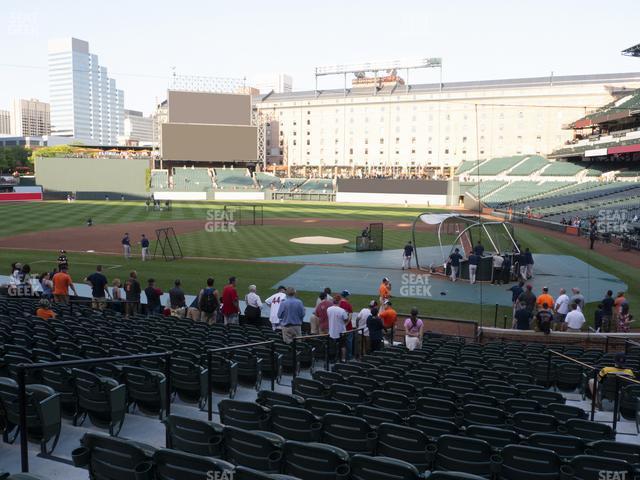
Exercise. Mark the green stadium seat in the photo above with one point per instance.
(253, 449)
(102, 399)
(365, 467)
(193, 436)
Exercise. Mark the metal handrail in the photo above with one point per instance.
(211, 352)
(594, 394)
(22, 369)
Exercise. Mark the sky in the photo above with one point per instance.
(142, 42)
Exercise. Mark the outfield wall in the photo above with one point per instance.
(69, 174)
(395, 191)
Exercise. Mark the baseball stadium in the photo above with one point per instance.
(231, 305)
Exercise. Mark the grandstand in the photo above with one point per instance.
(267, 180)
(159, 179)
(291, 184)
(484, 188)
(521, 191)
(317, 185)
(561, 169)
(192, 179)
(234, 179)
(474, 410)
(529, 166)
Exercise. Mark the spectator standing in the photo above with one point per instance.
(529, 298)
(497, 262)
(561, 308)
(624, 319)
(153, 294)
(62, 282)
(574, 319)
(63, 261)
(327, 294)
(291, 315)
(116, 295)
(506, 269)
(346, 306)
(274, 302)
(516, 291)
(474, 260)
(320, 313)
(522, 317)
(361, 322)
(132, 292)
(338, 317)
(177, 300)
(126, 246)
(99, 288)
(414, 330)
(597, 318)
(593, 232)
(208, 303)
(607, 311)
(454, 263)
(478, 249)
(47, 286)
(617, 305)
(543, 298)
(376, 328)
(144, 247)
(252, 311)
(528, 258)
(406, 255)
(544, 317)
(230, 305)
(577, 297)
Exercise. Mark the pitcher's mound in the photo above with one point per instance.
(319, 240)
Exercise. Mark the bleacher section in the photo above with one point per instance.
(502, 410)
(159, 179)
(191, 180)
(561, 169)
(291, 184)
(532, 164)
(234, 179)
(317, 185)
(521, 190)
(486, 187)
(465, 167)
(267, 181)
(497, 165)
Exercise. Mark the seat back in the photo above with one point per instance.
(253, 449)
(496, 437)
(315, 461)
(171, 464)
(348, 394)
(193, 436)
(295, 424)
(375, 416)
(268, 399)
(364, 467)
(247, 415)
(482, 415)
(527, 423)
(350, 433)
(321, 407)
(629, 452)
(565, 446)
(565, 412)
(308, 388)
(519, 461)
(396, 402)
(404, 443)
(432, 427)
(463, 454)
(590, 467)
(589, 431)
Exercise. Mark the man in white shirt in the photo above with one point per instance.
(274, 302)
(497, 262)
(574, 319)
(561, 308)
(577, 296)
(361, 321)
(338, 317)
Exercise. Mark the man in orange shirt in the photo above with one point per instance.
(61, 284)
(543, 298)
(388, 315)
(384, 290)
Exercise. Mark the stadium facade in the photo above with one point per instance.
(430, 127)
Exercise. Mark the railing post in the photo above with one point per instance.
(167, 375)
(327, 347)
(504, 322)
(594, 394)
(294, 354)
(495, 317)
(209, 388)
(273, 365)
(22, 402)
(616, 403)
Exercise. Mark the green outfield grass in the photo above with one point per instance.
(236, 250)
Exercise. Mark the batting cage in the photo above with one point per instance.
(371, 238)
(241, 214)
(167, 244)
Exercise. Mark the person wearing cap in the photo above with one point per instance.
(619, 368)
(327, 293)
(407, 253)
(384, 290)
(361, 322)
(543, 318)
(454, 263)
(474, 261)
(522, 317)
(252, 310)
(44, 310)
(319, 316)
(230, 305)
(346, 306)
(126, 246)
(291, 315)
(144, 247)
(543, 298)
(413, 330)
(338, 318)
(388, 316)
(274, 302)
(63, 261)
(574, 319)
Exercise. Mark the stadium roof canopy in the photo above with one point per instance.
(632, 51)
(627, 106)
